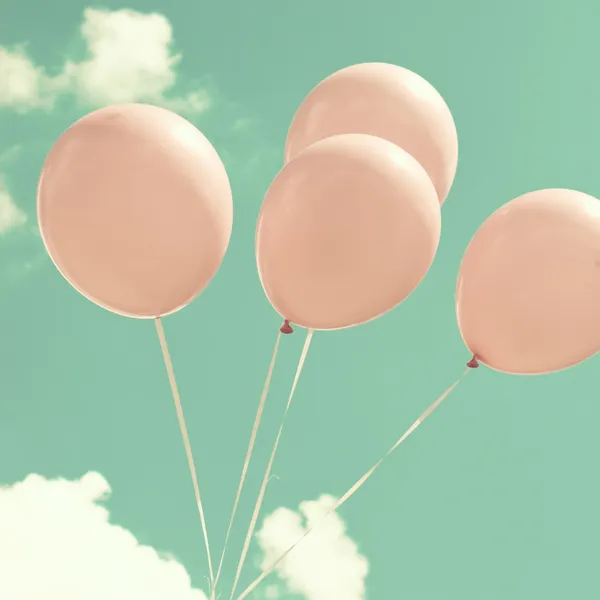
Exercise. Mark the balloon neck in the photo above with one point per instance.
(473, 363)
(286, 328)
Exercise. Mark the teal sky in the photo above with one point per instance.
(496, 496)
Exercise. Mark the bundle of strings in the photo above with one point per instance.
(259, 413)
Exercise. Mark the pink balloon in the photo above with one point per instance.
(347, 231)
(386, 101)
(528, 291)
(135, 209)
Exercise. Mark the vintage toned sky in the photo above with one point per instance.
(494, 498)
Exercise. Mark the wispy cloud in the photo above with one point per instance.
(326, 565)
(9, 154)
(57, 543)
(129, 58)
(11, 216)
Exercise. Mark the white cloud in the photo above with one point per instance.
(326, 565)
(11, 216)
(11, 153)
(56, 543)
(129, 59)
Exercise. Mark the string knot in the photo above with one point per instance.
(473, 363)
(286, 328)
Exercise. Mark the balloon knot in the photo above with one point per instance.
(473, 363)
(286, 328)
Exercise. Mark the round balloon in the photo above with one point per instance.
(528, 291)
(135, 209)
(386, 101)
(347, 231)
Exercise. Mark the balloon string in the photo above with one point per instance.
(267, 475)
(186, 441)
(353, 489)
(257, 420)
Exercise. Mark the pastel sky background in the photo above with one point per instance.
(494, 498)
